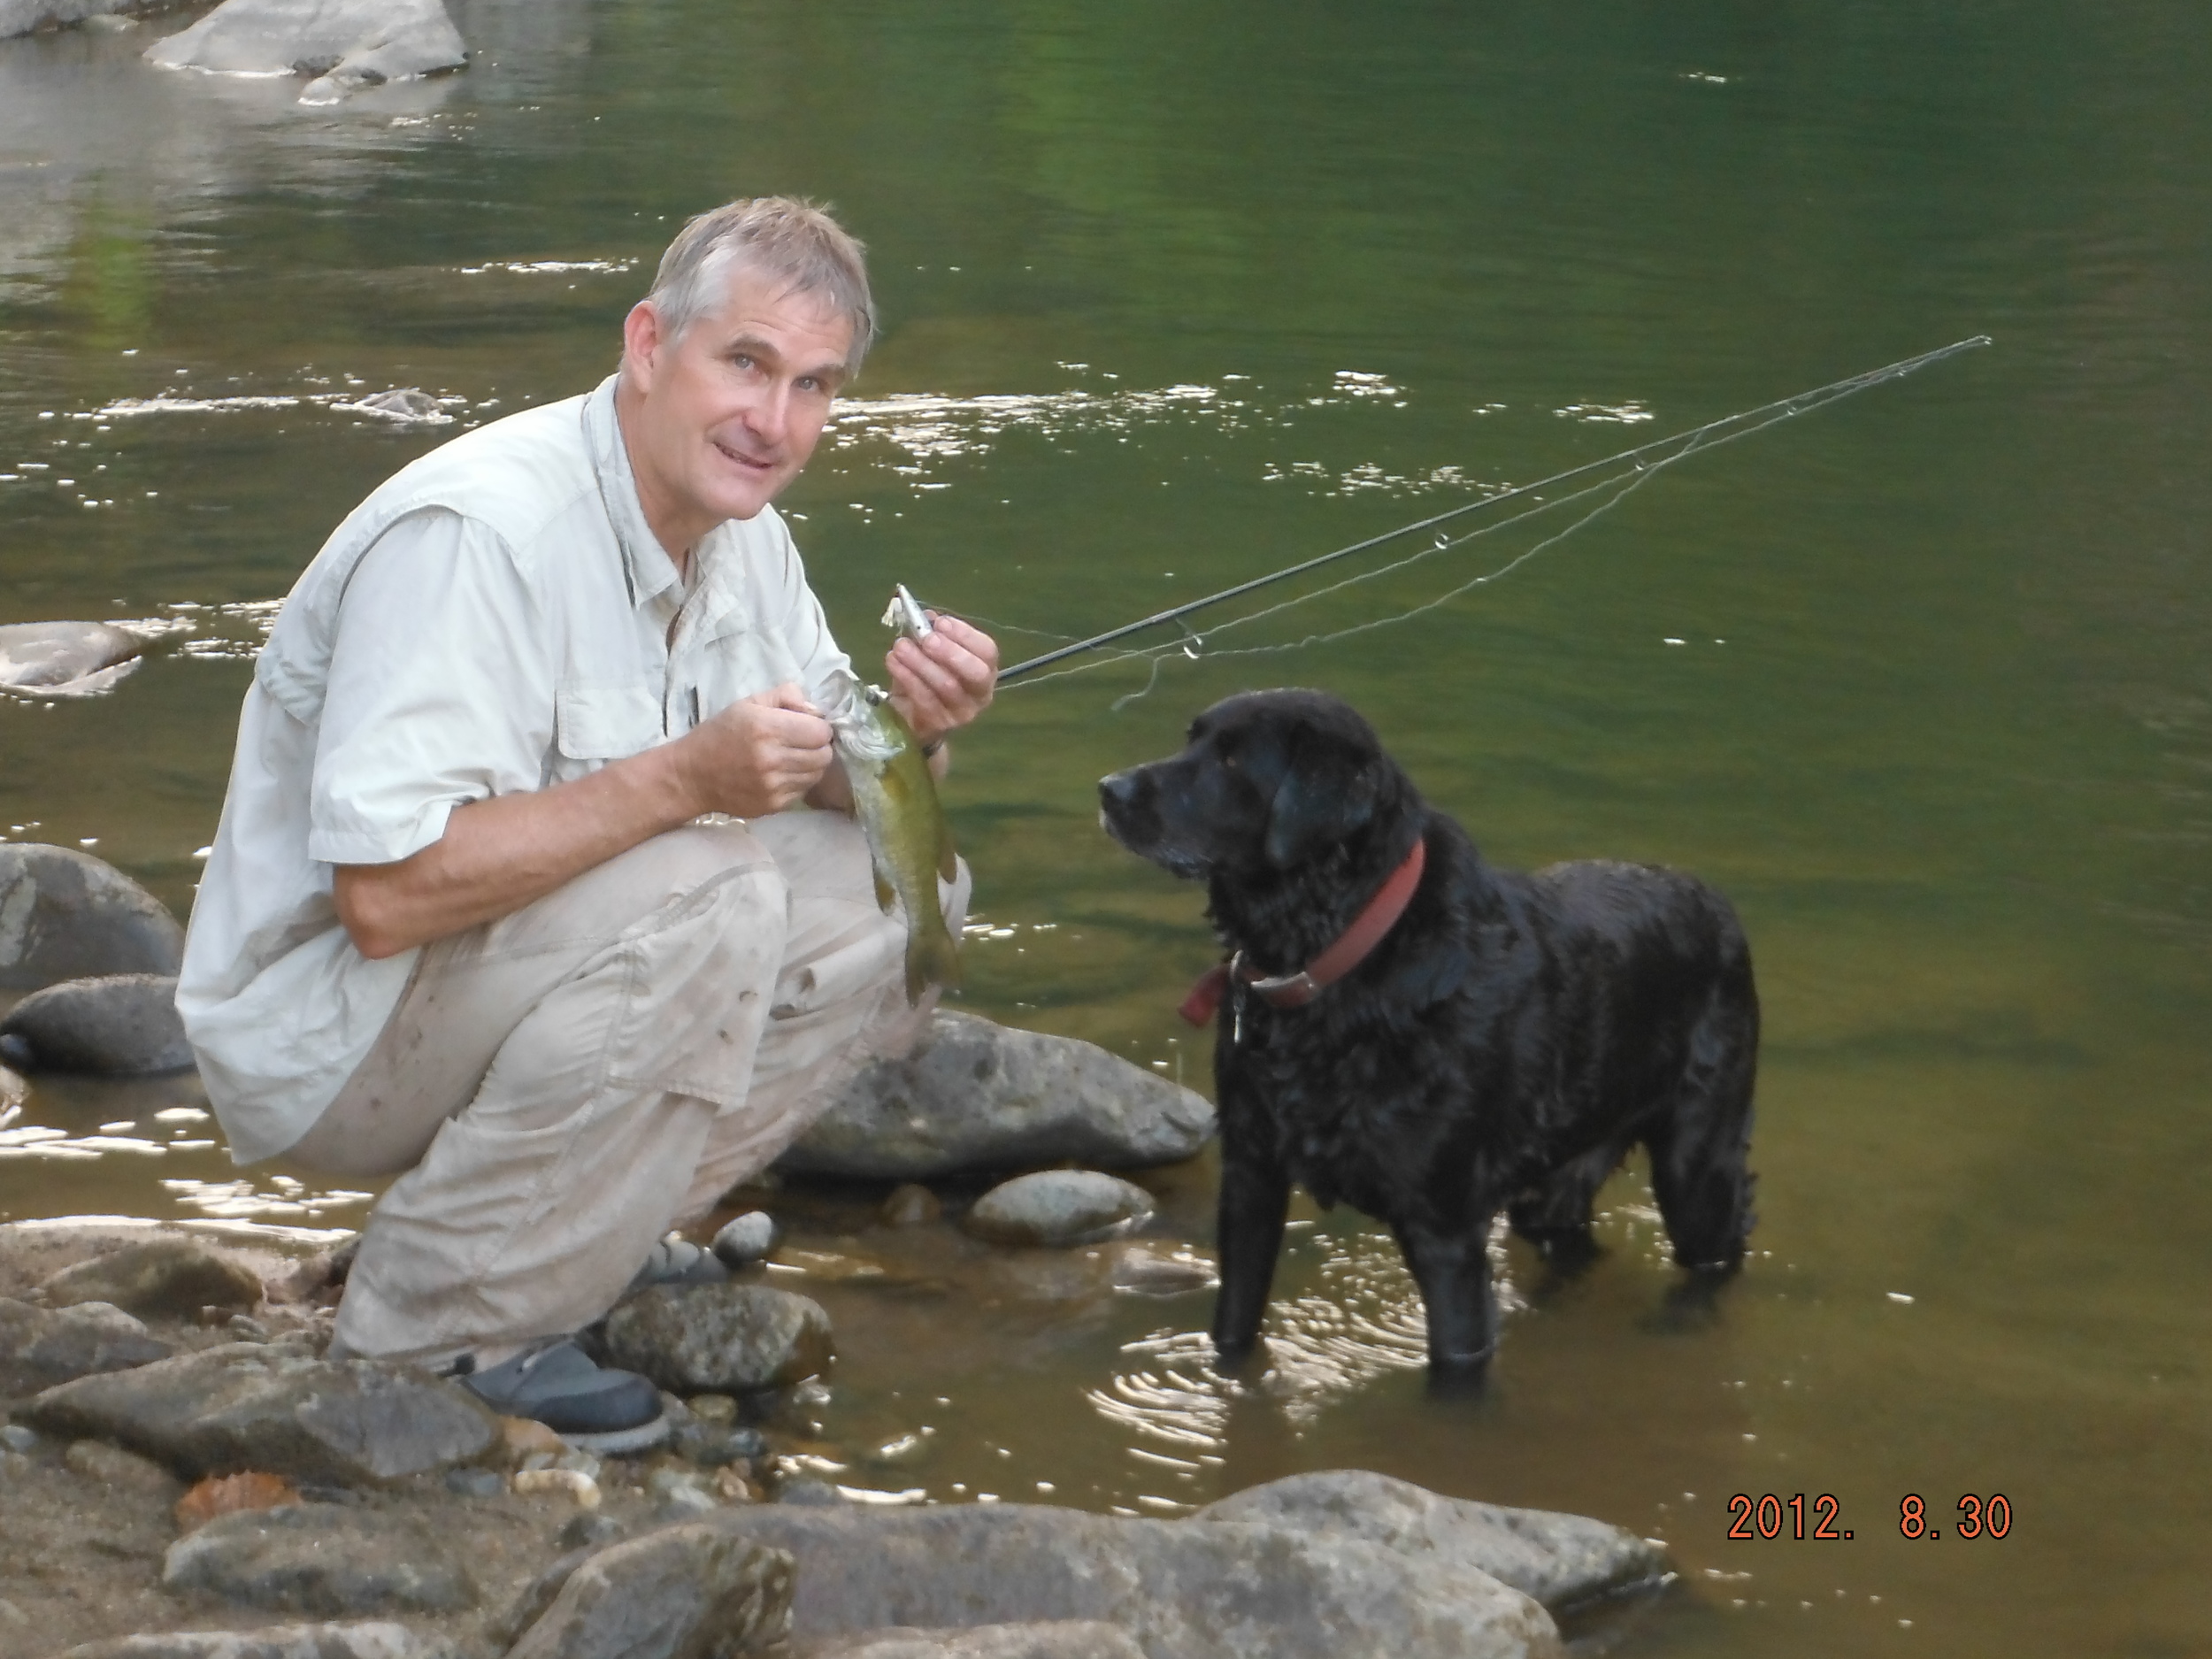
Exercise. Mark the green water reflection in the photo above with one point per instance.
(1175, 296)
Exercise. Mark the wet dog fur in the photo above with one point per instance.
(1501, 1048)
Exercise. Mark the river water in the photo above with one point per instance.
(1175, 297)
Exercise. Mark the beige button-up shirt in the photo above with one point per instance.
(495, 618)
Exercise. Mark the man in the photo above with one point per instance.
(470, 918)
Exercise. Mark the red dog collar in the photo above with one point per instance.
(1295, 990)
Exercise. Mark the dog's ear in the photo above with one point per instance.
(1328, 791)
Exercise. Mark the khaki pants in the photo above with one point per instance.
(563, 1084)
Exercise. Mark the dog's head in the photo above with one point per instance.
(1269, 782)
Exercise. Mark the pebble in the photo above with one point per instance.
(246, 1328)
(1059, 1206)
(574, 1482)
(664, 1482)
(713, 1408)
(588, 1531)
(685, 1503)
(525, 1437)
(910, 1205)
(582, 1462)
(747, 1240)
(126, 1471)
(474, 1483)
(807, 1490)
(713, 1444)
(16, 1438)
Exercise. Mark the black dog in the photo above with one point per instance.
(1499, 1045)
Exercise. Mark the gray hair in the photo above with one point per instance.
(778, 237)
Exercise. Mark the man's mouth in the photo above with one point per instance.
(738, 458)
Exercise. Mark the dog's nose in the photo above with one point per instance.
(1117, 790)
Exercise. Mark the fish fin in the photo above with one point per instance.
(947, 860)
(932, 958)
(886, 898)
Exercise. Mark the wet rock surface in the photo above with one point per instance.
(687, 1591)
(247, 1406)
(747, 1238)
(1558, 1559)
(119, 1024)
(321, 1559)
(977, 1096)
(65, 915)
(139, 1478)
(368, 1639)
(1059, 1639)
(345, 44)
(719, 1339)
(1059, 1206)
(160, 1276)
(63, 659)
(41, 1347)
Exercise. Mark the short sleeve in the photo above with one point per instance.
(441, 691)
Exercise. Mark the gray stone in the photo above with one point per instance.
(340, 1423)
(474, 1483)
(1180, 1591)
(910, 1204)
(1057, 1639)
(804, 1490)
(39, 1348)
(1059, 1206)
(323, 1559)
(346, 44)
(717, 1445)
(747, 1240)
(716, 1339)
(123, 1471)
(590, 1530)
(1154, 1268)
(366, 1640)
(160, 1276)
(61, 660)
(15, 1438)
(691, 1591)
(974, 1096)
(65, 915)
(404, 403)
(1558, 1559)
(684, 1504)
(118, 1025)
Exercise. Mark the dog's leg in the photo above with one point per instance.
(1453, 1270)
(1699, 1149)
(1255, 1202)
(1556, 1217)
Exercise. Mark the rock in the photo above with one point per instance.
(292, 1262)
(1152, 1268)
(61, 660)
(717, 1445)
(406, 403)
(227, 1495)
(1057, 1639)
(588, 1530)
(15, 1438)
(747, 1240)
(974, 1096)
(346, 44)
(1179, 1590)
(474, 1483)
(684, 1504)
(572, 1484)
(525, 1437)
(118, 1025)
(321, 1558)
(13, 1092)
(804, 1490)
(124, 1471)
(160, 1276)
(719, 1339)
(688, 1592)
(65, 915)
(713, 1408)
(39, 1348)
(1059, 1206)
(1558, 1559)
(340, 1423)
(366, 1641)
(910, 1204)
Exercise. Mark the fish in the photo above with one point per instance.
(894, 797)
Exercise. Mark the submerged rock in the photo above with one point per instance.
(160, 1276)
(1057, 1639)
(66, 915)
(1179, 1591)
(684, 1591)
(61, 660)
(377, 1640)
(40, 1350)
(342, 1422)
(1559, 1559)
(719, 1339)
(122, 1024)
(345, 44)
(1059, 1206)
(909, 1205)
(974, 1096)
(406, 404)
(321, 1558)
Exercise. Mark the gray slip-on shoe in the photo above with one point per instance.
(592, 1407)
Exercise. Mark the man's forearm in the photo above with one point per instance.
(498, 855)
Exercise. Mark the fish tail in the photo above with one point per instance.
(932, 958)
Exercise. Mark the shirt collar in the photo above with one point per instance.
(646, 565)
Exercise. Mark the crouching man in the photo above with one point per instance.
(463, 924)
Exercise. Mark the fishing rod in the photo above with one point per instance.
(1766, 413)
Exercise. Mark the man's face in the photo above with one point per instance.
(719, 421)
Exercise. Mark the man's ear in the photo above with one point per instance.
(1325, 795)
(641, 344)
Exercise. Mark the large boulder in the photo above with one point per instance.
(686, 1592)
(65, 915)
(1180, 1591)
(719, 1339)
(163, 1275)
(62, 659)
(975, 1097)
(1055, 1638)
(246, 1405)
(293, 1264)
(1559, 1559)
(370, 1640)
(322, 1558)
(1059, 1206)
(40, 1350)
(344, 44)
(119, 1024)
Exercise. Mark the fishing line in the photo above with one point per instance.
(1622, 474)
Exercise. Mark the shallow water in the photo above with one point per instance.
(1176, 296)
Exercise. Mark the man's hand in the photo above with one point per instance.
(757, 756)
(940, 683)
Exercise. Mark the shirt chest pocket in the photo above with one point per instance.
(594, 724)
